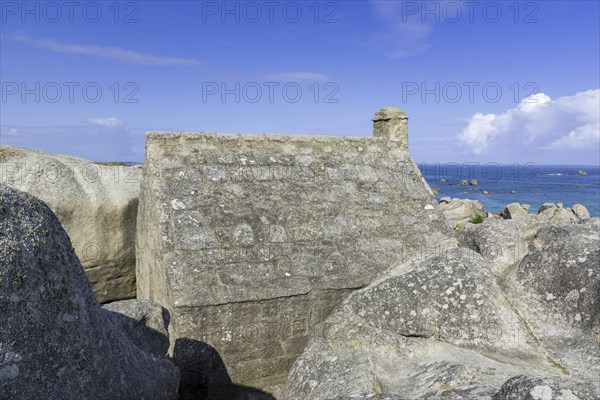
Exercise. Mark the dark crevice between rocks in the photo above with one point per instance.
(417, 335)
(205, 377)
(254, 301)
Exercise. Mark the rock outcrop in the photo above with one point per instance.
(145, 323)
(505, 242)
(514, 211)
(56, 341)
(460, 211)
(556, 291)
(252, 240)
(438, 326)
(448, 326)
(545, 388)
(502, 242)
(557, 214)
(580, 211)
(96, 204)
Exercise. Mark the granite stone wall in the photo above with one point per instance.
(251, 240)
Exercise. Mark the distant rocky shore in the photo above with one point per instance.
(204, 275)
(461, 211)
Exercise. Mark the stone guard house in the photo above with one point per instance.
(251, 240)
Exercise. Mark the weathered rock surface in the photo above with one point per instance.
(447, 327)
(391, 124)
(546, 388)
(460, 211)
(557, 214)
(440, 327)
(546, 206)
(56, 342)
(580, 211)
(560, 215)
(145, 323)
(252, 240)
(515, 211)
(556, 291)
(502, 242)
(369, 397)
(572, 231)
(96, 204)
(505, 242)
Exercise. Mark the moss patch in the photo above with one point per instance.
(378, 388)
(558, 365)
(477, 219)
(537, 340)
(112, 163)
(8, 153)
(523, 321)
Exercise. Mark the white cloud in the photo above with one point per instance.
(537, 123)
(582, 137)
(299, 77)
(479, 132)
(114, 53)
(11, 132)
(105, 122)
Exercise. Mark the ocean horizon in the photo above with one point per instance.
(527, 183)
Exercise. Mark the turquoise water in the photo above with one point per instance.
(533, 184)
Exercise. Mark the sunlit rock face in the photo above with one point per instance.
(96, 204)
(252, 240)
(459, 324)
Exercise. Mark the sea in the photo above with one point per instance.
(526, 183)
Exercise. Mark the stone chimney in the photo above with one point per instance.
(391, 123)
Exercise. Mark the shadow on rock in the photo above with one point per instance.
(204, 375)
(143, 322)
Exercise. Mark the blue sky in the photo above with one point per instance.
(481, 81)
